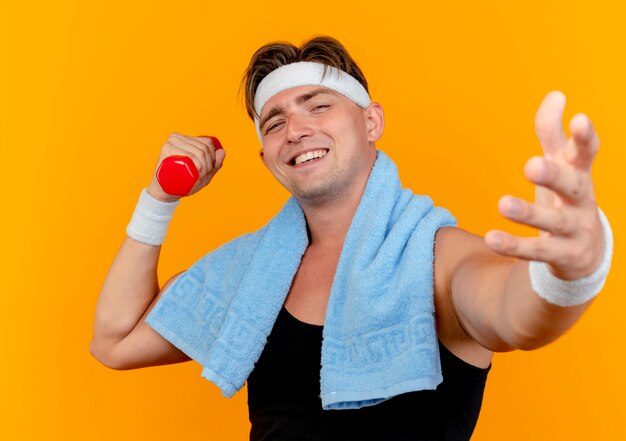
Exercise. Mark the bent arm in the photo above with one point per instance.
(121, 338)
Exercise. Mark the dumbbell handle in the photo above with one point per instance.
(178, 174)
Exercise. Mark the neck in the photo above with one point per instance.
(328, 225)
(329, 221)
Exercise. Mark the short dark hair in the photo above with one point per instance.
(322, 49)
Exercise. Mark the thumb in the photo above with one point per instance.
(220, 155)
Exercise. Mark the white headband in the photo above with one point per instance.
(306, 73)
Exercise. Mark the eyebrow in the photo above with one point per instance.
(276, 110)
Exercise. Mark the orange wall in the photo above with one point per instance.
(90, 91)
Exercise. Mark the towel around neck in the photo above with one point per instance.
(379, 333)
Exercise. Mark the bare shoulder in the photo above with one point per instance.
(452, 247)
(454, 244)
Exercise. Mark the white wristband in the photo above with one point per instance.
(572, 292)
(150, 219)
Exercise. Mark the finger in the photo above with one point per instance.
(217, 145)
(207, 150)
(550, 249)
(567, 182)
(219, 160)
(205, 179)
(202, 182)
(200, 144)
(549, 123)
(197, 156)
(210, 143)
(559, 221)
(582, 148)
(209, 156)
(220, 155)
(195, 153)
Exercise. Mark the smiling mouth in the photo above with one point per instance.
(308, 157)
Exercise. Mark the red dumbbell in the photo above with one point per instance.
(178, 174)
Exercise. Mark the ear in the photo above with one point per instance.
(262, 157)
(375, 120)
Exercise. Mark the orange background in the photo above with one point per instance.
(91, 90)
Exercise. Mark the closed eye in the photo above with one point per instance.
(321, 106)
(273, 126)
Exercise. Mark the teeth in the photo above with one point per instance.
(309, 155)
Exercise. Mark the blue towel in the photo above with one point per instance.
(379, 336)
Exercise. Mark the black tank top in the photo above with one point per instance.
(284, 402)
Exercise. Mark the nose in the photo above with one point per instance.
(298, 127)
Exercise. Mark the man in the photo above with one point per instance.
(318, 129)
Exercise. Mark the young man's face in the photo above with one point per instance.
(333, 133)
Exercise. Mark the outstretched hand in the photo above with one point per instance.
(570, 237)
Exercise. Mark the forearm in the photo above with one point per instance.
(496, 306)
(539, 307)
(526, 321)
